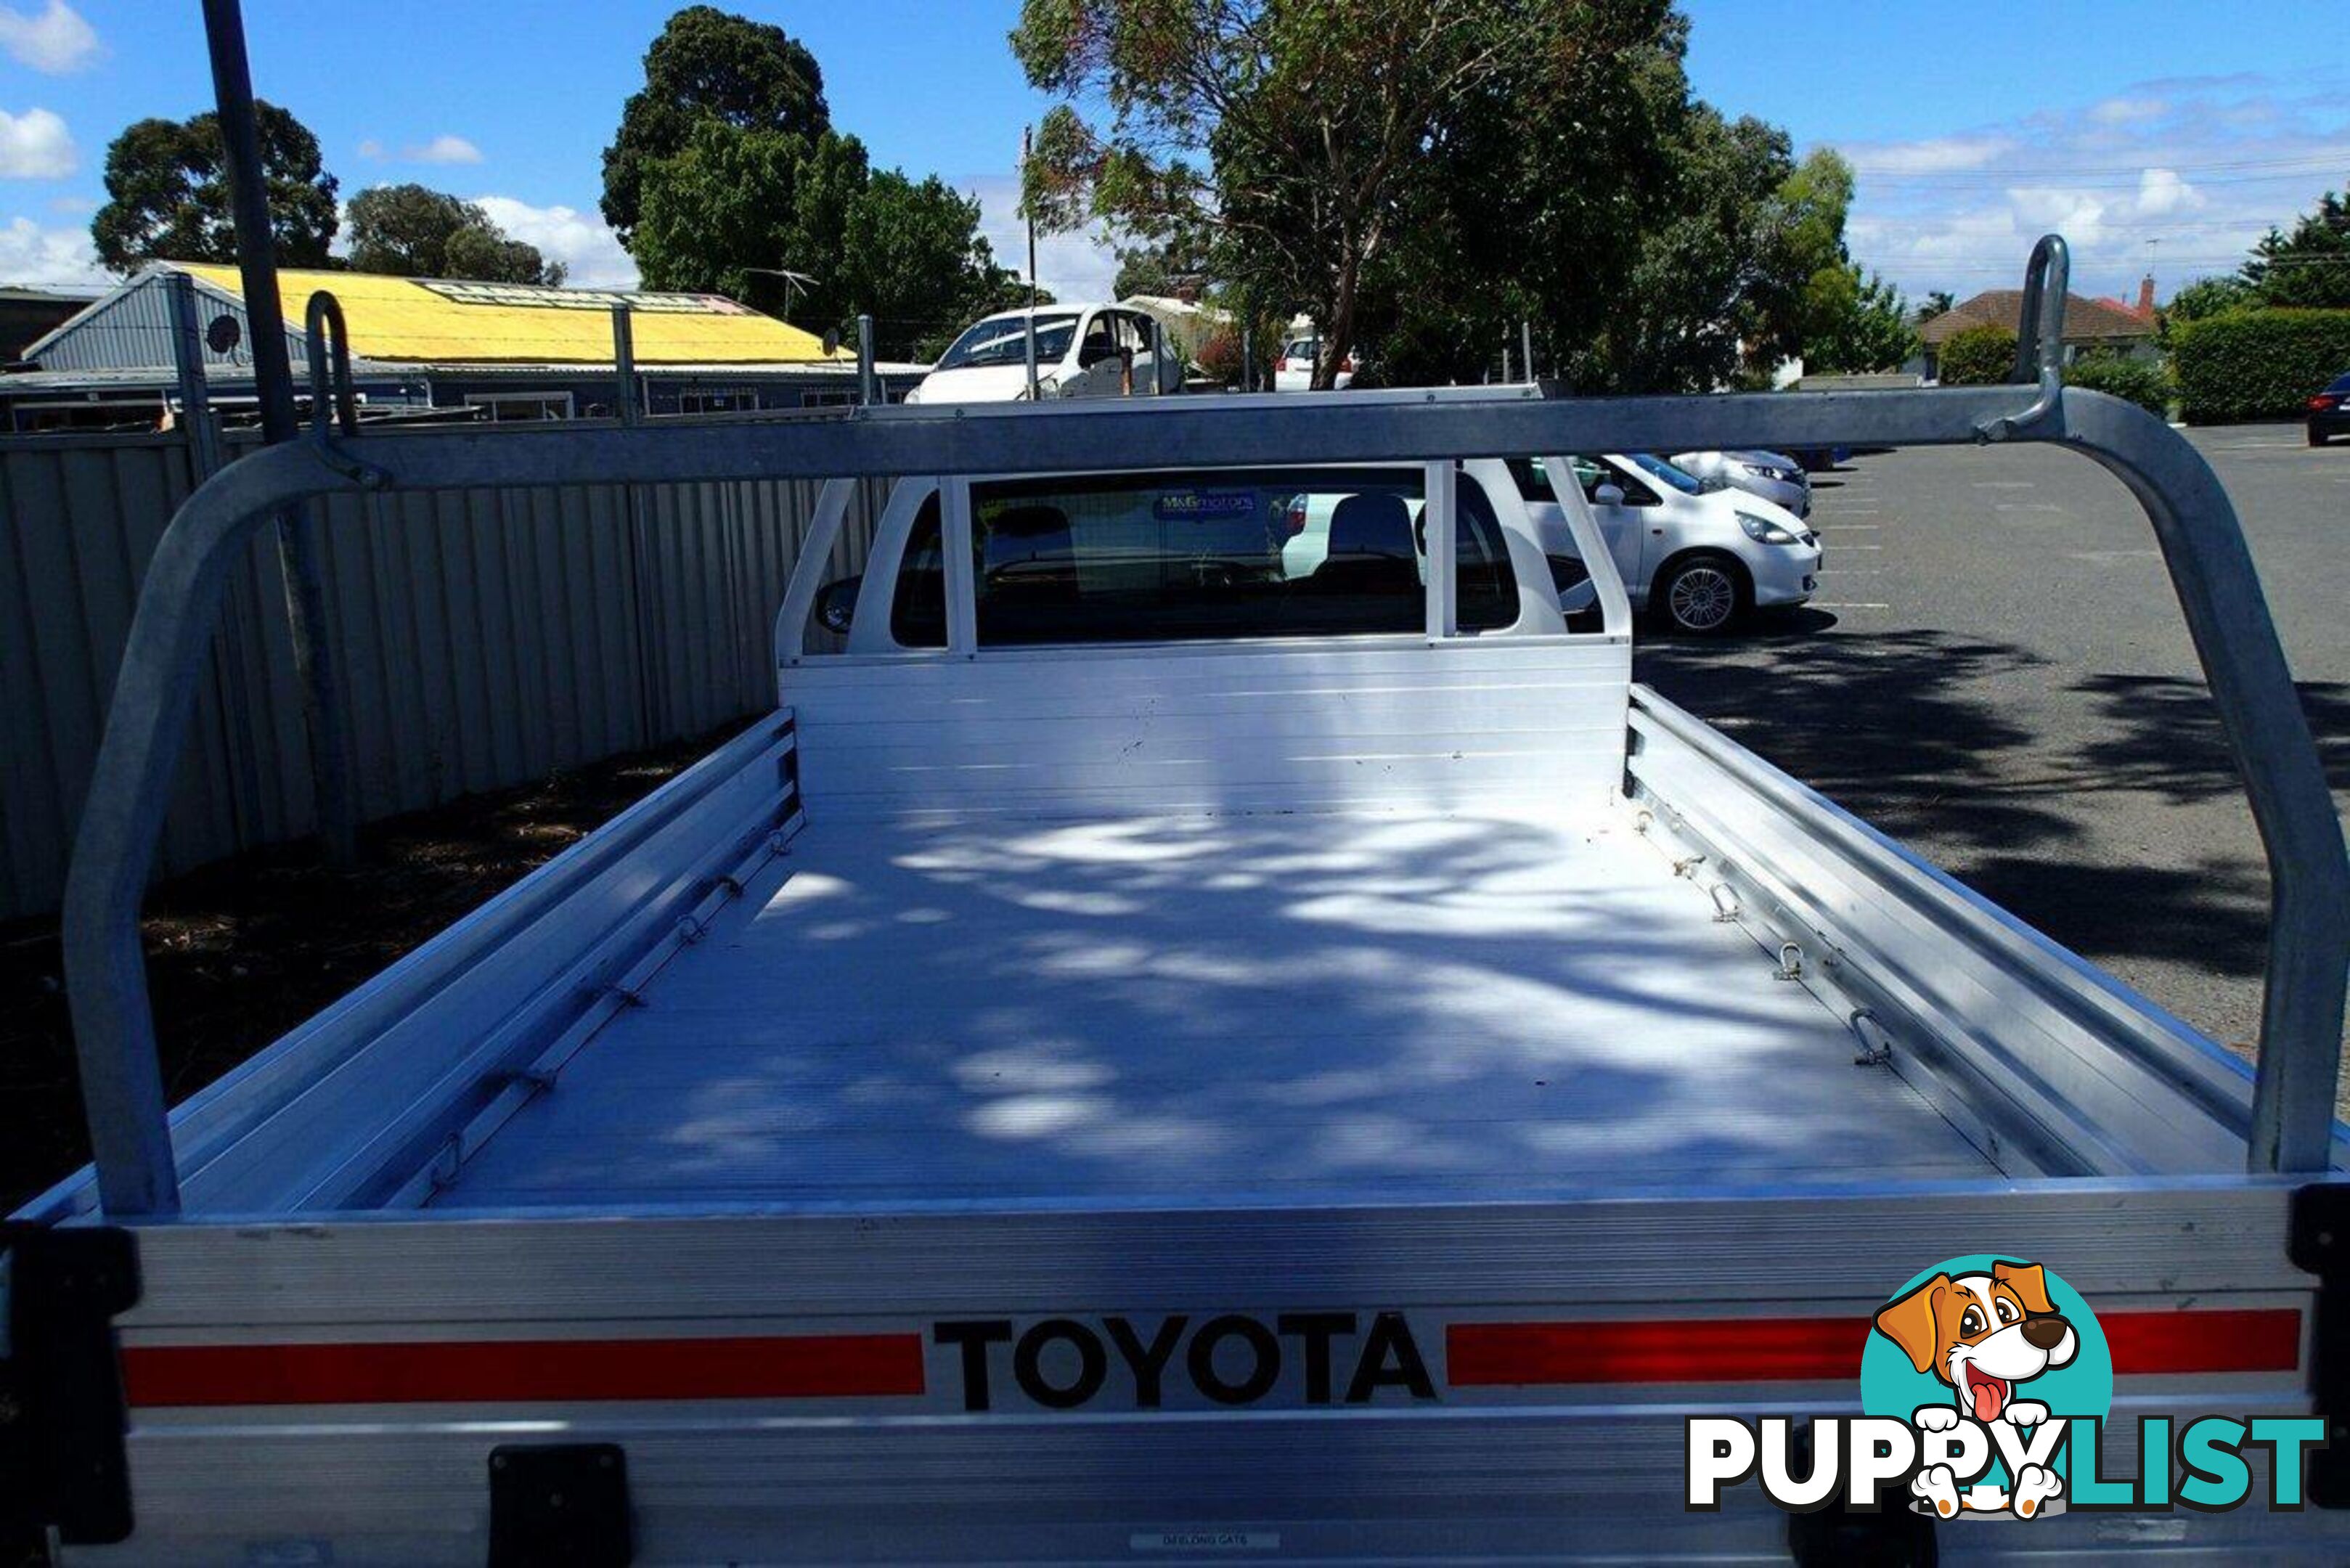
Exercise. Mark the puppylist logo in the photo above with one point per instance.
(1986, 1383)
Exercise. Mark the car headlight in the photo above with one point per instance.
(1763, 531)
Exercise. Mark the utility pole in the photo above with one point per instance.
(273, 379)
(1027, 143)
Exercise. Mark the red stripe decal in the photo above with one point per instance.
(2262, 1339)
(1674, 1350)
(801, 1366)
(1818, 1349)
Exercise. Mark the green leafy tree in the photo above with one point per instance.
(1321, 119)
(413, 231)
(168, 196)
(1978, 356)
(1166, 267)
(2207, 296)
(1714, 287)
(917, 263)
(709, 66)
(721, 204)
(1938, 302)
(1803, 285)
(1853, 325)
(2309, 268)
(734, 204)
(2200, 301)
(1652, 244)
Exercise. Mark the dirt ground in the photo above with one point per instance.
(239, 952)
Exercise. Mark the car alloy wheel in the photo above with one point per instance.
(1702, 597)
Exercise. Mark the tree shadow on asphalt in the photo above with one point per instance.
(2169, 739)
(1882, 726)
(1900, 728)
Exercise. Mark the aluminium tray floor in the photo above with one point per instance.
(1283, 1007)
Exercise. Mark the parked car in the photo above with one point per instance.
(1774, 476)
(1082, 351)
(1294, 371)
(1700, 559)
(2329, 411)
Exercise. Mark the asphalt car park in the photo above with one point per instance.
(1995, 671)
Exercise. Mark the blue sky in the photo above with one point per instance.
(2189, 124)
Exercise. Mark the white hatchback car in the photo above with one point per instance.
(1774, 476)
(1699, 559)
(1082, 351)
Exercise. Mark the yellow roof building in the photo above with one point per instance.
(447, 321)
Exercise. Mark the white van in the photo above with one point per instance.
(1082, 351)
(1701, 558)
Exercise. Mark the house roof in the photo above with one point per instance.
(2085, 320)
(447, 321)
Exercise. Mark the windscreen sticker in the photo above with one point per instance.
(1204, 505)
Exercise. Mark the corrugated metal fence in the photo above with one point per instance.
(486, 637)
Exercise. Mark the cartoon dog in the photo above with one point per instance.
(1982, 1335)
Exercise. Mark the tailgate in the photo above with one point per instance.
(1427, 1381)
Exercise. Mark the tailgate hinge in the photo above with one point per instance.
(559, 1505)
(2319, 1241)
(62, 1414)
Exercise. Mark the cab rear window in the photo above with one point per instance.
(1165, 557)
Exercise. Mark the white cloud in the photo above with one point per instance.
(581, 241)
(443, 148)
(54, 42)
(35, 145)
(30, 252)
(1079, 265)
(2128, 111)
(73, 206)
(2161, 191)
(1939, 155)
(2178, 176)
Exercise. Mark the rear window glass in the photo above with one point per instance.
(1178, 557)
(917, 609)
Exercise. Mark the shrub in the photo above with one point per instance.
(2257, 364)
(1219, 357)
(1978, 356)
(2139, 381)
